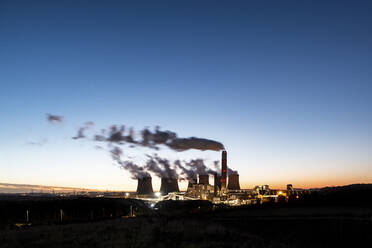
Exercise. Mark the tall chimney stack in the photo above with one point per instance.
(217, 184)
(223, 170)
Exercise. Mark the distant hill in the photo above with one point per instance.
(10, 188)
(347, 188)
(353, 194)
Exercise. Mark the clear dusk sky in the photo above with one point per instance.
(286, 86)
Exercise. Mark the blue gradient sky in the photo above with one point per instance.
(286, 86)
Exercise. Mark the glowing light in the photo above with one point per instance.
(157, 194)
(127, 194)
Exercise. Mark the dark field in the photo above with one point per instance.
(268, 226)
(320, 220)
(62, 210)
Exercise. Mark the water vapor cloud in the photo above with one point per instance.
(80, 134)
(154, 139)
(54, 118)
(116, 137)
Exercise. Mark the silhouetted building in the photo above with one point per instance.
(233, 183)
(204, 179)
(200, 191)
(217, 184)
(144, 186)
(290, 189)
(262, 190)
(169, 185)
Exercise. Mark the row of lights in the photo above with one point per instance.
(157, 194)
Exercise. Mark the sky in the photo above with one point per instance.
(284, 85)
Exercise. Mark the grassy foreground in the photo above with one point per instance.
(241, 227)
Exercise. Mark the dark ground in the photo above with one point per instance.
(265, 227)
(321, 220)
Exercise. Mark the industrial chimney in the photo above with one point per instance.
(204, 179)
(223, 170)
(144, 186)
(168, 185)
(233, 182)
(217, 183)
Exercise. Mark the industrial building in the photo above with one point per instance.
(233, 183)
(144, 186)
(169, 185)
(225, 189)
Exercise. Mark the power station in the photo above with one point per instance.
(197, 189)
(225, 189)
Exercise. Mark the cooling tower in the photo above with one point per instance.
(169, 185)
(233, 183)
(144, 186)
(204, 179)
(223, 170)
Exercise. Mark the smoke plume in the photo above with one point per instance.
(194, 167)
(231, 171)
(189, 173)
(118, 135)
(161, 167)
(80, 134)
(152, 140)
(38, 143)
(135, 170)
(183, 144)
(54, 118)
(216, 164)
